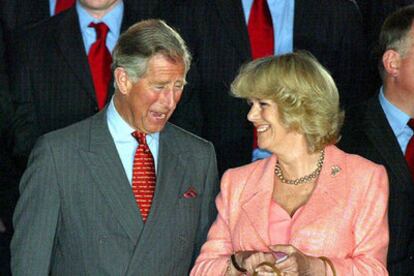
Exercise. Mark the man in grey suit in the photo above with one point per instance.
(77, 214)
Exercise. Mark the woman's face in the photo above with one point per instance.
(271, 134)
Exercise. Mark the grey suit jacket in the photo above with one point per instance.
(77, 214)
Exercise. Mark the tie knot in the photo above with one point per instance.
(411, 123)
(101, 30)
(140, 137)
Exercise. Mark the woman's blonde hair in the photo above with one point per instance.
(304, 91)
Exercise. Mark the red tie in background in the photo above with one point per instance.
(100, 63)
(143, 175)
(409, 152)
(62, 5)
(261, 35)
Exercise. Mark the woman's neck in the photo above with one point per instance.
(298, 162)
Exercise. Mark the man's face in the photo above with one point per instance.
(98, 5)
(150, 102)
(406, 67)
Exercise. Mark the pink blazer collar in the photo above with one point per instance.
(257, 193)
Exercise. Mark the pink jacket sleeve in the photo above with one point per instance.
(215, 253)
(369, 256)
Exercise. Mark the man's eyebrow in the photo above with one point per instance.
(165, 82)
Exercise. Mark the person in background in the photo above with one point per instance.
(374, 13)
(123, 192)
(309, 209)
(222, 35)
(381, 129)
(66, 76)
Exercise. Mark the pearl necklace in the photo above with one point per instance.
(303, 179)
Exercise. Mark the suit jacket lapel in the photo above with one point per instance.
(128, 17)
(256, 198)
(170, 171)
(69, 40)
(382, 137)
(109, 175)
(257, 194)
(170, 177)
(232, 18)
(298, 24)
(43, 8)
(29, 12)
(134, 12)
(328, 186)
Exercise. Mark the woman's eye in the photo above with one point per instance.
(263, 103)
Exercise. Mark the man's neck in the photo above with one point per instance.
(403, 100)
(98, 13)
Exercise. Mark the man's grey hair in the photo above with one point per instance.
(142, 41)
(395, 34)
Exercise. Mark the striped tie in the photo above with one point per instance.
(143, 175)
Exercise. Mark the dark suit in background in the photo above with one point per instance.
(20, 13)
(217, 34)
(14, 16)
(374, 13)
(367, 131)
(52, 83)
(8, 175)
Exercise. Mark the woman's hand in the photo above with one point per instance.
(297, 262)
(251, 259)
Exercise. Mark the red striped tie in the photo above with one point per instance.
(143, 175)
(261, 36)
(100, 63)
(62, 5)
(409, 152)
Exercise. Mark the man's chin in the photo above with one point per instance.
(155, 127)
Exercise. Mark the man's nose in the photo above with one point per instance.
(168, 97)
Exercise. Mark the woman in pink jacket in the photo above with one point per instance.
(310, 208)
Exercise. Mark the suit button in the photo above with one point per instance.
(96, 109)
(411, 257)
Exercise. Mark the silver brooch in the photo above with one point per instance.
(335, 170)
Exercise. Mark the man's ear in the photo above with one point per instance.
(391, 61)
(122, 80)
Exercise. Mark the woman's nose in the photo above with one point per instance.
(253, 113)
